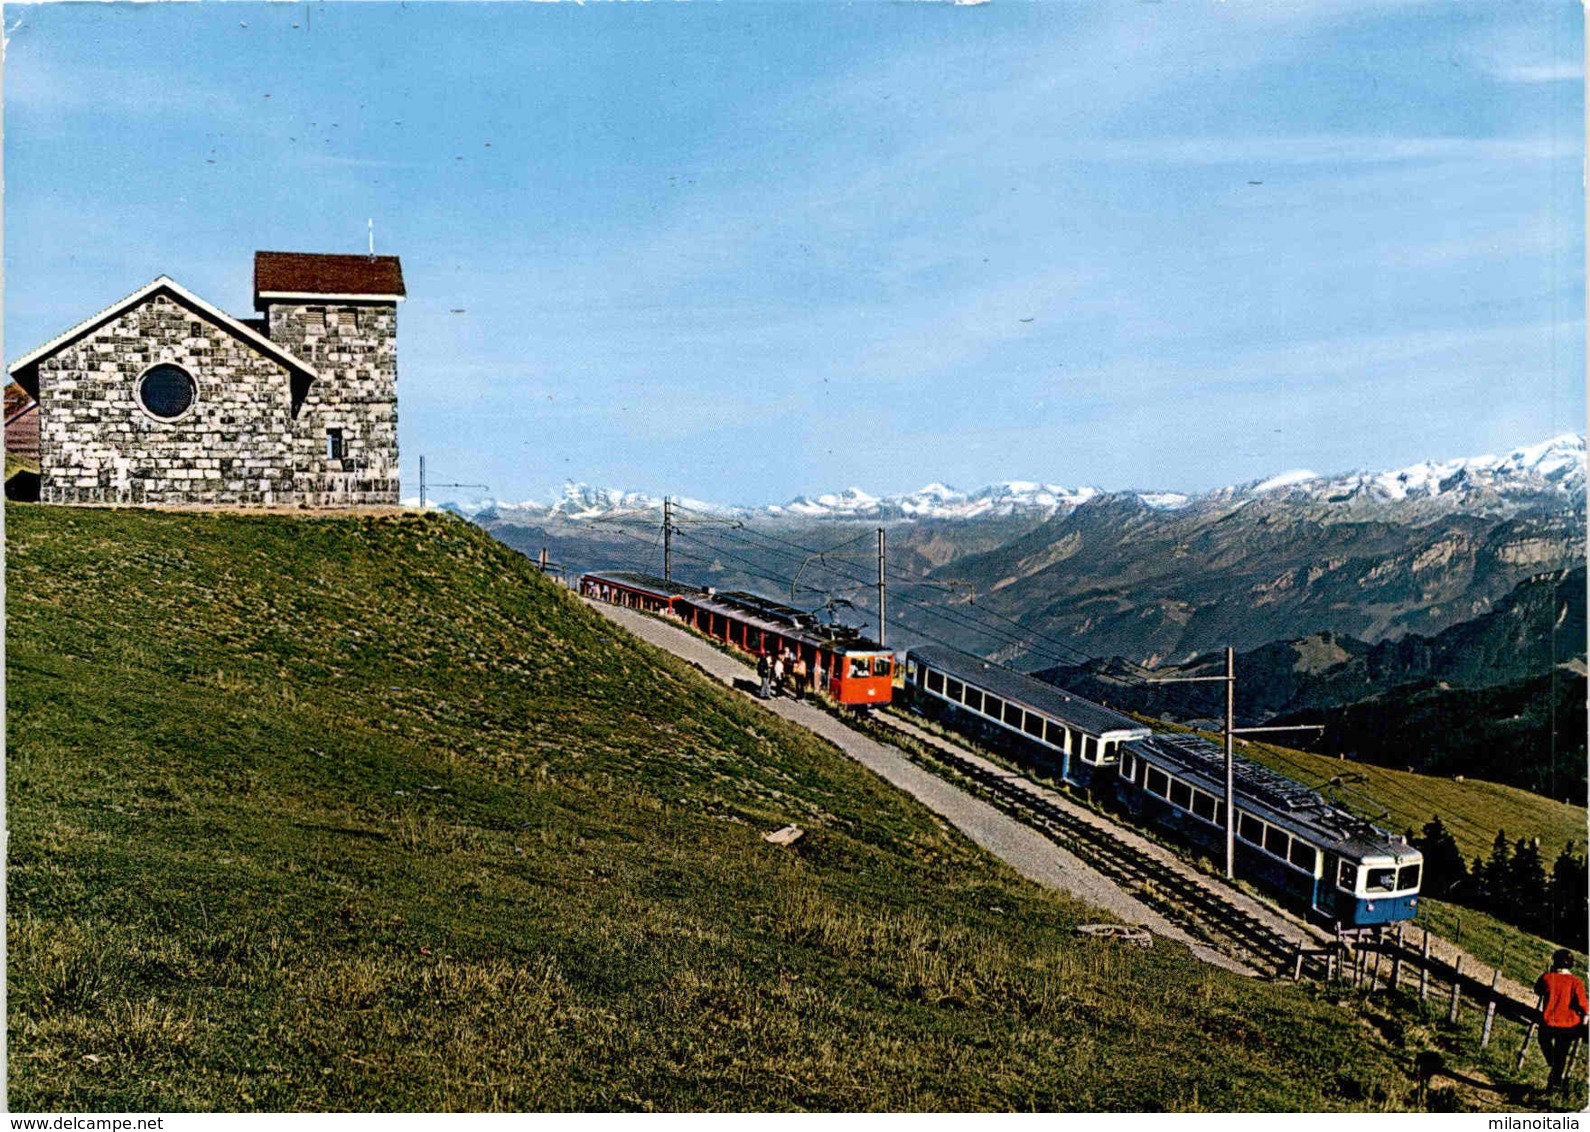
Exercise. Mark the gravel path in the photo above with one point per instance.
(1027, 851)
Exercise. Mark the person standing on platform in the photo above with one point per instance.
(800, 678)
(778, 675)
(764, 669)
(1564, 1008)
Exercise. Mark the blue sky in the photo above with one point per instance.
(743, 251)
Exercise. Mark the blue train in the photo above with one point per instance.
(1060, 734)
(1319, 858)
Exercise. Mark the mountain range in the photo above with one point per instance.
(1034, 575)
(1553, 469)
(1538, 627)
(1499, 697)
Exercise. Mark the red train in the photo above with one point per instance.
(854, 670)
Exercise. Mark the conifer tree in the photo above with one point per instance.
(1498, 874)
(1526, 896)
(1570, 900)
(1445, 875)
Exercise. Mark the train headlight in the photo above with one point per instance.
(1371, 905)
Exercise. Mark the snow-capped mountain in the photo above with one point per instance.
(1553, 468)
(581, 502)
(939, 501)
(935, 501)
(1546, 472)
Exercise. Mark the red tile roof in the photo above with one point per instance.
(303, 273)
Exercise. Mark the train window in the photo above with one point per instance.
(880, 666)
(1090, 749)
(993, 706)
(1275, 841)
(1380, 880)
(1180, 795)
(1129, 766)
(910, 669)
(1220, 813)
(1033, 725)
(1203, 805)
(1304, 856)
(954, 689)
(1408, 877)
(1156, 781)
(974, 699)
(1107, 755)
(1346, 873)
(1013, 714)
(1054, 734)
(1250, 828)
(935, 680)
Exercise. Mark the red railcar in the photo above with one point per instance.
(854, 670)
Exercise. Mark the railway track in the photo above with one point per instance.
(1197, 906)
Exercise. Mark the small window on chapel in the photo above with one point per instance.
(335, 449)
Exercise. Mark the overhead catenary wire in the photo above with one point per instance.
(1022, 636)
(960, 616)
(1025, 636)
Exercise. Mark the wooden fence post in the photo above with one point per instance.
(1529, 1032)
(1297, 962)
(1396, 960)
(1490, 1011)
(1424, 968)
(1457, 980)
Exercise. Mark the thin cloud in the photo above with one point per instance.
(1339, 150)
(1540, 73)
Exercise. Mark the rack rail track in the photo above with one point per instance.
(1199, 908)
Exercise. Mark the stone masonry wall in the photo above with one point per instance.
(353, 346)
(236, 444)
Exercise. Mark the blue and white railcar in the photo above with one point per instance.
(1324, 860)
(1044, 726)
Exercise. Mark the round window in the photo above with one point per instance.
(167, 391)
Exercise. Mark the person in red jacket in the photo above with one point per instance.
(1564, 1008)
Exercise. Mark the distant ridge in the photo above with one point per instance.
(1553, 470)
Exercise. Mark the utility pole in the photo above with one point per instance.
(882, 587)
(668, 538)
(474, 486)
(1230, 680)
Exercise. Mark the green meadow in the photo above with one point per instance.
(364, 813)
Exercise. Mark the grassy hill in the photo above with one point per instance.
(1529, 734)
(1473, 810)
(349, 813)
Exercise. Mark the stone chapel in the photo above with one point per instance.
(162, 398)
